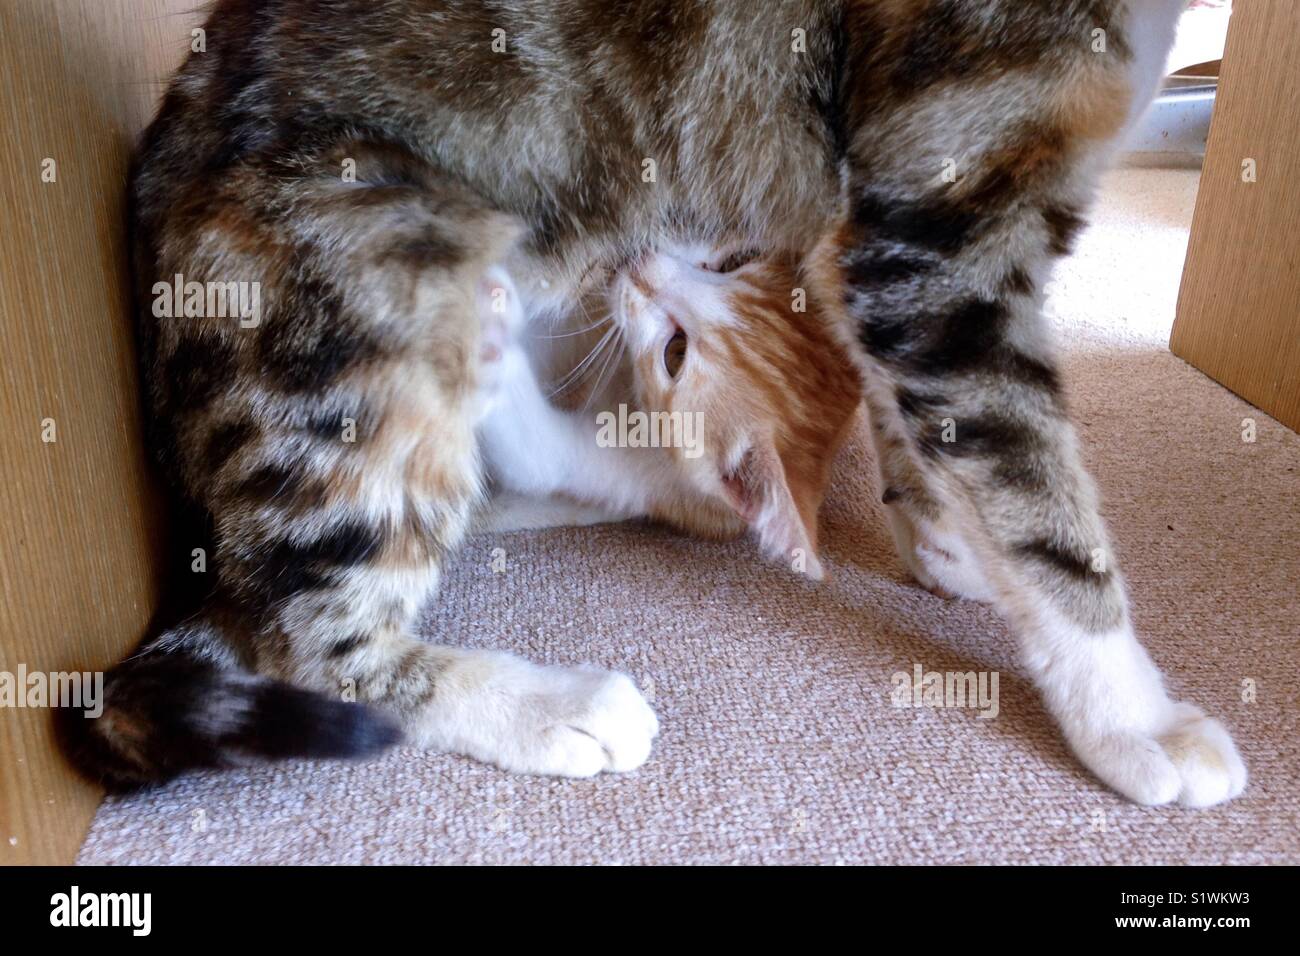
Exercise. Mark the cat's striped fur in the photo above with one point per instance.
(605, 127)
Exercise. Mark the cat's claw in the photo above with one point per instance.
(1191, 761)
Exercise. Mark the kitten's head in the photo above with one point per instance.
(734, 341)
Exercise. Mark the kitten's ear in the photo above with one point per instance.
(759, 490)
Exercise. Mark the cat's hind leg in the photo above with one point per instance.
(342, 462)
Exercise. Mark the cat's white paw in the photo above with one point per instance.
(952, 571)
(941, 562)
(1206, 758)
(1111, 702)
(1191, 760)
(560, 721)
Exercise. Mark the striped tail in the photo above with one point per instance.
(168, 711)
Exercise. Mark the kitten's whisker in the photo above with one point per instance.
(611, 363)
(589, 328)
(582, 366)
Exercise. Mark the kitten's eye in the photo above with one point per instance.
(736, 260)
(675, 353)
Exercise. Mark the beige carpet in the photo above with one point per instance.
(779, 742)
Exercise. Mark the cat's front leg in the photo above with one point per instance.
(533, 449)
(528, 445)
(951, 335)
(1111, 703)
(501, 321)
(1042, 556)
(1099, 687)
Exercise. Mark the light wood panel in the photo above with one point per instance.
(1239, 307)
(78, 80)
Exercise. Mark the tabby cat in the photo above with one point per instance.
(934, 155)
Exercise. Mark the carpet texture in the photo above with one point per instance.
(780, 743)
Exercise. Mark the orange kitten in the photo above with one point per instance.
(727, 413)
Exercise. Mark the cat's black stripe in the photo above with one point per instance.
(349, 644)
(1076, 566)
(429, 250)
(1029, 475)
(307, 339)
(272, 482)
(942, 227)
(829, 48)
(1063, 224)
(969, 338)
(1026, 370)
(915, 404)
(965, 338)
(866, 269)
(285, 568)
(885, 339)
(241, 46)
(989, 435)
(198, 369)
(954, 40)
(225, 442)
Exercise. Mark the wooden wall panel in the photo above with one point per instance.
(1239, 307)
(78, 81)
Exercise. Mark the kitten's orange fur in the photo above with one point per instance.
(773, 391)
(776, 391)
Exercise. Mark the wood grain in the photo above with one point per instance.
(78, 81)
(1238, 315)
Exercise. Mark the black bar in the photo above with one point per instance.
(440, 907)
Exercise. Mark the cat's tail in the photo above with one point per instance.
(171, 708)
